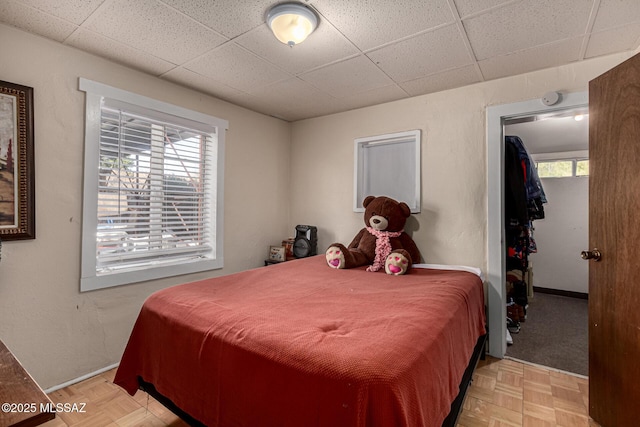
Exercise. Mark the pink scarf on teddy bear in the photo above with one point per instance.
(383, 247)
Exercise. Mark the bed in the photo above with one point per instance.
(302, 344)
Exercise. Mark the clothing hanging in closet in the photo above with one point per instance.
(524, 200)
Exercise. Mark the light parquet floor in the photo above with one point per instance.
(503, 393)
(510, 393)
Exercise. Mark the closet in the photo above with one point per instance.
(524, 200)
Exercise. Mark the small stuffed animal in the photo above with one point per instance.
(382, 243)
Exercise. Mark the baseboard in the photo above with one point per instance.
(548, 368)
(561, 292)
(82, 378)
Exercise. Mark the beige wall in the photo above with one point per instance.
(452, 225)
(54, 330)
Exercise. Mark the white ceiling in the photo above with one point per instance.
(553, 134)
(364, 52)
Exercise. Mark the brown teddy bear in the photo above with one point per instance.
(382, 243)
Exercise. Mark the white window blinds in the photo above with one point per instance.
(388, 165)
(155, 208)
(152, 192)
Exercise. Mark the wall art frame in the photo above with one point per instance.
(17, 175)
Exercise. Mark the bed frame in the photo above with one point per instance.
(456, 406)
(450, 421)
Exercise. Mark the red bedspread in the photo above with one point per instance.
(301, 344)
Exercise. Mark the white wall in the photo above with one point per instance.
(562, 235)
(54, 330)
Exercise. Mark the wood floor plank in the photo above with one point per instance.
(504, 393)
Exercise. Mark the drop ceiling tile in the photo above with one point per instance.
(151, 26)
(442, 81)
(323, 46)
(156, 36)
(372, 23)
(118, 52)
(348, 77)
(230, 18)
(320, 108)
(28, 19)
(289, 97)
(617, 40)
(201, 83)
(290, 92)
(526, 24)
(75, 11)
(536, 58)
(472, 7)
(316, 111)
(262, 106)
(614, 13)
(373, 97)
(236, 67)
(425, 54)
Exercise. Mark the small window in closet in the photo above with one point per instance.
(562, 168)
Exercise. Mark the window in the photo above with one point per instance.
(152, 189)
(555, 169)
(562, 168)
(388, 165)
(582, 167)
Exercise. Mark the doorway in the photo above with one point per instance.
(496, 271)
(555, 332)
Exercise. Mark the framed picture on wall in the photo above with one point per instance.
(17, 183)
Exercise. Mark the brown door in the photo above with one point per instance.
(614, 229)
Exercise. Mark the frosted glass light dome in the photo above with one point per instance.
(291, 23)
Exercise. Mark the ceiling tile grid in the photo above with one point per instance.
(236, 67)
(364, 52)
(611, 41)
(33, 21)
(379, 95)
(535, 58)
(325, 47)
(473, 7)
(201, 83)
(119, 52)
(526, 24)
(372, 23)
(348, 77)
(616, 13)
(153, 27)
(422, 55)
(292, 97)
(229, 18)
(448, 79)
(74, 11)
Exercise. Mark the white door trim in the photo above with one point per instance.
(496, 115)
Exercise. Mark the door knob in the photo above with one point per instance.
(594, 254)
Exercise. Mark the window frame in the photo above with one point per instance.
(568, 156)
(95, 92)
(410, 142)
(575, 167)
(549, 161)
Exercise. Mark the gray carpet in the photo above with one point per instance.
(555, 334)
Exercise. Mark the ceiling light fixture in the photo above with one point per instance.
(291, 23)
